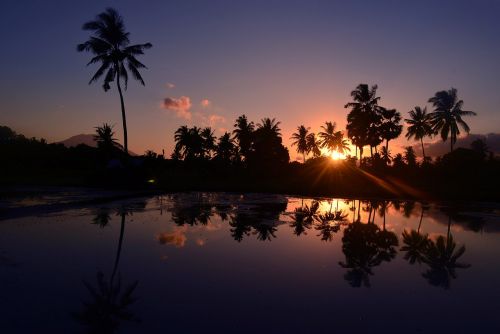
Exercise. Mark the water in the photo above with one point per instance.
(201, 262)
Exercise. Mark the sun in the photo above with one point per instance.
(337, 155)
(334, 155)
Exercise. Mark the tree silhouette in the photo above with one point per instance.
(419, 126)
(410, 156)
(386, 156)
(105, 139)
(332, 140)
(313, 145)
(447, 115)
(189, 143)
(226, 149)
(244, 134)
(208, 142)
(363, 119)
(111, 47)
(390, 128)
(300, 140)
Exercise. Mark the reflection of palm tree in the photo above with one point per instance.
(110, 45)
(365, 246)
(102, 218)
(329, 223)
(304, 217)
(110, 300)
(442, 258)
(415, 246)
(241, 225)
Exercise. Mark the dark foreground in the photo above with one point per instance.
(248, 263)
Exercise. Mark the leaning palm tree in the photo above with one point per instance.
(111, 47)
(447, 115)
(419, 126)
(313, 145)
(300, 140)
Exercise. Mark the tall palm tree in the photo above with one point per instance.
(419, 126)
(243, 134)
(189, 143)
(225, 148)
(300, 140)
(447, 115)
(208, 137)
(110, 45)
(313, 145)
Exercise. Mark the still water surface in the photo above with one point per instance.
(252, 263)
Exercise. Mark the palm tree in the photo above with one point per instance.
(189, 142)
(270, 126)
(419, 126)
(333, 140)
(208, 138)
(390, 127)
(447, 115)
(363, 119)
(243, 134)
(111, 47)
(386, 155)
(105, 137)
(225, 148)
(409, 156)
(300, 140)
(313, 145)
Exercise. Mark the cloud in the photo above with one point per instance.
(215, 119)
(440, 148)
(180, 105)
(205, 103)
(169, 85)
(176, 238)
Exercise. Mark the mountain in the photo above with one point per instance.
(84, 139)
(79, 139)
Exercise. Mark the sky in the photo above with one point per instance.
(211, 61)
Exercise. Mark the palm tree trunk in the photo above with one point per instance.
(304, 155)
(423, 151)
(387, 145)
(124, 119)
(118, 252)
(420, 222)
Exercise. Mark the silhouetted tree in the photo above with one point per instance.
(386, 156)
(332, 140)
(225, 148)
(244, 134)
(267, 148)
(300, 140)
(390, 128)
(363, 119)
(419, 126)
(313, 145)
(189, 143)
(208, 142)
(447, 115)
(479, 146)
(410, 157)
(111, 46)
(105, 139)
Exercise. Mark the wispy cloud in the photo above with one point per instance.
(169, 85)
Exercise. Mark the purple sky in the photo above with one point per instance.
(296, 61)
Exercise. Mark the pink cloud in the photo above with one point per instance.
(205, 103)
(169, 85)
(180, 105)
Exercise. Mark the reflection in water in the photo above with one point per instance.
(109, 300)
(366, 246)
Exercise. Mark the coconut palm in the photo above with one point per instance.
(313, 145)
(386, 155)
(363, 119)
(332, 140)
(270, 126)
(111, 47)
(208, 142)
(447, 115)
(104, 137)
(189, 143)
(390, 127)
(300, 140)
(243, 134)
(419, 126)
(225, 150)
(415, 246)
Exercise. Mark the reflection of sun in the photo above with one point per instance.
(335, 155)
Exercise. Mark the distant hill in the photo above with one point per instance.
(79, 139)
(84, 139)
